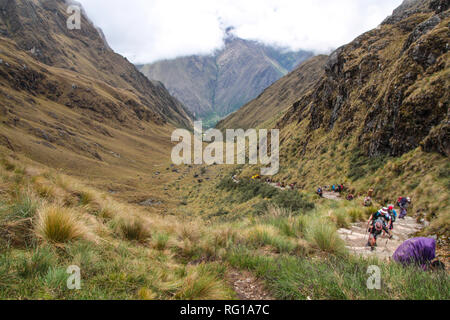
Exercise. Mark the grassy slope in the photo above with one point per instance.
(127, 253)
(112, 150)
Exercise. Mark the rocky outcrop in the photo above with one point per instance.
(439, 139)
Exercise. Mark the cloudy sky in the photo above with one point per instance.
(148, 30)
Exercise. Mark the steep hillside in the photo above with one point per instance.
(40, 29)
(278, 97)
(378, 116)
(389, 87)
(214, 86)
(70, 102)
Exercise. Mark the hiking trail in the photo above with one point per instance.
(356, 238)
(247, 286)
(331, 195)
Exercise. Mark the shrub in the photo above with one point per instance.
(59, 225)
(368, 211)
(56, 278)
(44, 190)
(85, 198)
(293, 201)
(202, 285)
(134, 230)
(246, 190)
(323, 234)
(161, 240)
(24, 207)
(341, 218)
(356, 214)
(146, 294)
(38, 264)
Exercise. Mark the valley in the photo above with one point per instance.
(87, 177)
(212, 87)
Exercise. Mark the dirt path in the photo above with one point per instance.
(247, 287)
(332, 195)
(356, 238)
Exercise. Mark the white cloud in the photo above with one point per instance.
(149, 30)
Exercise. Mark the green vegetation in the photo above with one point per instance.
(247, 190)
(337, 278)
(126, 253)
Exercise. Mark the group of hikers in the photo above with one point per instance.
(383, 220)
(418, 251)
(335, 188)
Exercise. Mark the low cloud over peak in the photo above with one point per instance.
(148, 30)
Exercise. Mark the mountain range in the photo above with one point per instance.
(213, 86)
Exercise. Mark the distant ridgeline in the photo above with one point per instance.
(214, 86)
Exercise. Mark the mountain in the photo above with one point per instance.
(278, 97)
(68, 101)
(83, 52)
(376, 116)
(389, 87)
(214, 86)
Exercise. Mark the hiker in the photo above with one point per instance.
(383, 216)
(341, 187)
(420, 252)
(367, 202)
(333, 188)
(392, 214)
(403, 203)
(320, 192)
(375, 230)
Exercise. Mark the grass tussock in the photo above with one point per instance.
(134, 229)
(324, 235)
(59, 224)
(341, 218)
(202, 284)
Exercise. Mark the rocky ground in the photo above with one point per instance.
(356, 238)
(247, 287)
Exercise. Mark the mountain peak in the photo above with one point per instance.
(215, 86)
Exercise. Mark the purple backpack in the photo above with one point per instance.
(419, 251)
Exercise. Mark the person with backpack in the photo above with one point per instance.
(382, 216)
(392, 214)
(403, 203)
(320, 192)
(420, 252)
(375, 231)
(367, 202)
